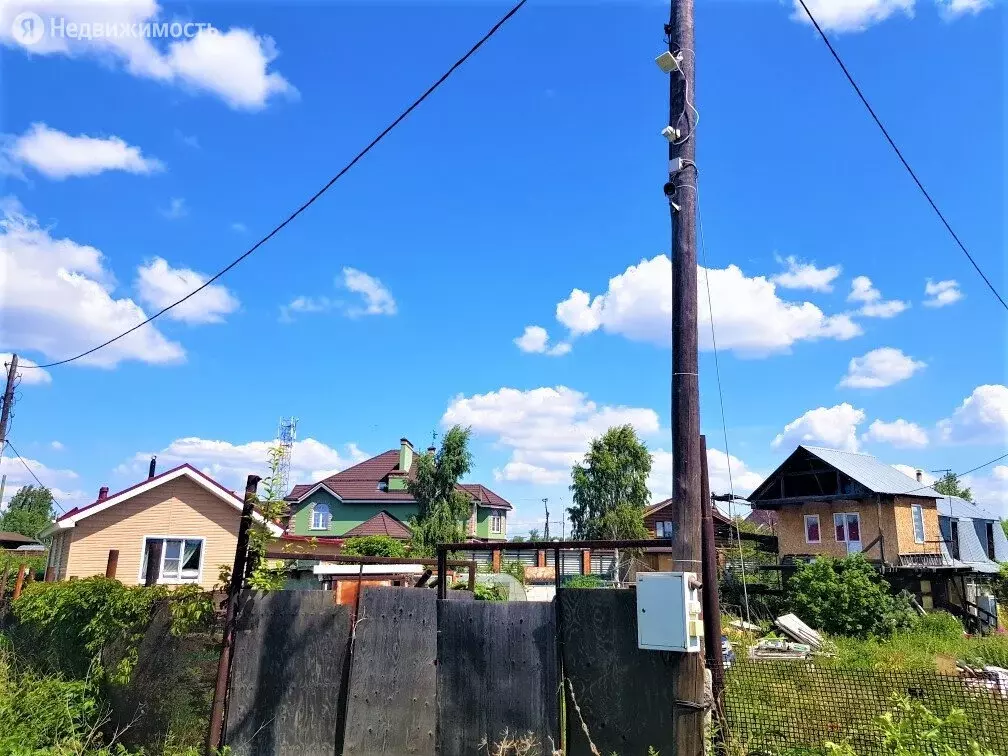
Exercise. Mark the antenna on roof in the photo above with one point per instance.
(286, 434)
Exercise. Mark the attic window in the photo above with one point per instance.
(382, 485)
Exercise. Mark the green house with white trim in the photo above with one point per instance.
(372, 498)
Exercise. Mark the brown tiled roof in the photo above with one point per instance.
(360, 483)
(655, 508)
(382, 523)
(481, 493)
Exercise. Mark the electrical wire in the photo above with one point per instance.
(961, 474)
(32, 473)
(899, 154)
(430, 90)
(724, 423)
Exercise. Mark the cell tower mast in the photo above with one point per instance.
(287, 434)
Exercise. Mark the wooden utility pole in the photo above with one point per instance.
(686, 490)
(216, 729)
(8, 401)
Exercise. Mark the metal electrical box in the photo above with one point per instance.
(668, 612)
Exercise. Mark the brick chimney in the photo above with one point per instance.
(103, 493)
(431, 450)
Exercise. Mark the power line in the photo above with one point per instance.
(724, 423)
(962, 474)
(430, 90)
(32, 473)
(899, 154)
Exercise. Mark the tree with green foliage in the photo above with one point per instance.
(29, 512)
(443, 506)
(535, 535)
(610, 487)
(266, 576)
(847, 597)
(374, 546)
(949, 485)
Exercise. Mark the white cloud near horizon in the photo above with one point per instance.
(59, 299)
(234, 65)
(229, 463)
(805, 275)
(880, 368)
(57, 155)
(158, 285)
(63, 483)
(834, 427)
(750, 319)
(546, 430)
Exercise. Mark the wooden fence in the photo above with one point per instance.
(418, 678)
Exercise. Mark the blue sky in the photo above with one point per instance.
(526, 193)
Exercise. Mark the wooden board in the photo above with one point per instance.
(625, 694)
(497, 674)
(392, 700)
(288, 675)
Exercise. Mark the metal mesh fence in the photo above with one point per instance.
(776, 706)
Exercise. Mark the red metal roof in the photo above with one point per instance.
(382, 523)
(360, 483)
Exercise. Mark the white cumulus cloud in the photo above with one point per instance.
(64, 484)
(880, 368)
(982, 418)
(953, 9)
(911, 472)
(899, 433)
(873, 305)
(990, 490)
(547, 430)
(159, 284)
(229, 463)
(58, 299)
(749, 317)
(942, 293)
(31, 374)
(742, 480)
(377, 299)
(57, 155)
(805, 275)
(834, 427)
(535, 340)
(851, 15)
(235, 66)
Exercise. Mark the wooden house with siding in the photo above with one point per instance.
(193, 516)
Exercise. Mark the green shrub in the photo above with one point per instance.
(65, 627)
(847, 597)
(490, 592)
(582, 581)
(374, 545)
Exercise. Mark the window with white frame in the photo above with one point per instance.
(181, 559)
(496, 522)
(664, 529)
(812, 534)
(320, 517)
(918, 523)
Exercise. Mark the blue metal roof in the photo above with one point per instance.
(874, 475)
(972, 529)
